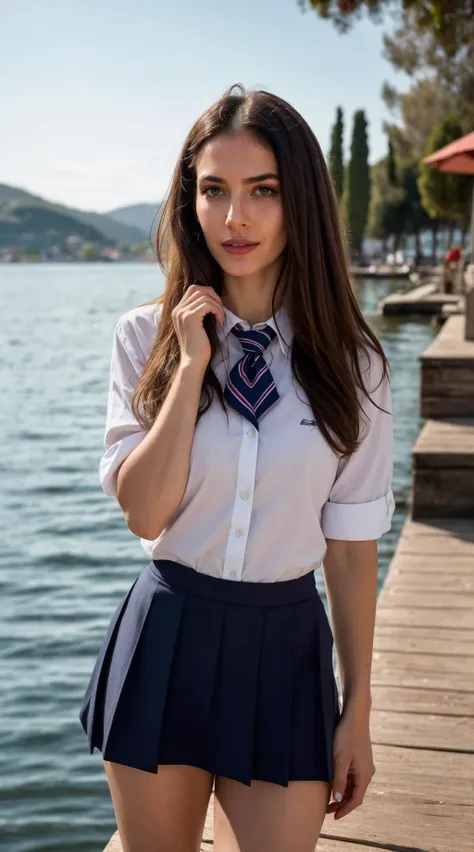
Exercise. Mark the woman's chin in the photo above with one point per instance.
(243, 265)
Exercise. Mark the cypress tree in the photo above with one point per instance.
(357, 190)
(391, 165)
(336, 153)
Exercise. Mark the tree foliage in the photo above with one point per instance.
(414, 215)
(384, 220)
(443, 193)
(441, 85)
(357, 188)
(446, 21)
(336, 153)
(391, 165)
(396, 209)
(416, 112)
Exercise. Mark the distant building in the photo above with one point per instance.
(74, 240)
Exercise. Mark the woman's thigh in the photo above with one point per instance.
(268, 816)
(162, 812)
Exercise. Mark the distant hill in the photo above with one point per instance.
(143, 216)
(110, 228)
(36, 227)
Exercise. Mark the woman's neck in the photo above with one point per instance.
(251, 301)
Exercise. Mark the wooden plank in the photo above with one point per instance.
(424, 640)
(440, 582)
(418, 730)
(421, 300)
(393, 596)
(417, 800)
(442, 298)
(442, 530)
(207, 845)
(447, 528)
(431, 547)
(450, 343)
(383, 271)
(424, 617)
(448, 441)
(423, 701)
(325, 843)
(435, 565)
(403, 673)
(114, 844)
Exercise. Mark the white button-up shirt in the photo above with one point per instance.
(259, 504)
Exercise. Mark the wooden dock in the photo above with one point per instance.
(421, 798)
(425, 300)
(380, 271)
(447, 373)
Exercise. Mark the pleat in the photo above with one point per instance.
(187, 723)
(305, 745)
(326, 692)
(139, 672)
(90, 715)
(242, 691)
(231, 739)
(273, 722)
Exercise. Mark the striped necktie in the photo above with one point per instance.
(250, 388)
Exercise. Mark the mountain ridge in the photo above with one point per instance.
(111, 227)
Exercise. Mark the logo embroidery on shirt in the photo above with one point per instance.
(307, 422)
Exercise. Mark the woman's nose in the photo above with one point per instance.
(236, 214)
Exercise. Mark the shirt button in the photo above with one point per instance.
(238, 532)
(244, 495)
(232, 574)
(250, 432)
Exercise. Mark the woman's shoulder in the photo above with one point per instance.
(138, 327)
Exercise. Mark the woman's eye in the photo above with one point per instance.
(270, 189)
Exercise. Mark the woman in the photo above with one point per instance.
(249, 435)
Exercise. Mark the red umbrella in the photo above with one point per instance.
(458, 157)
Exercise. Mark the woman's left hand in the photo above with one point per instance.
(353, 764)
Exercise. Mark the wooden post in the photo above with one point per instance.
(459, 277)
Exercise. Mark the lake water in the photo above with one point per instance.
(66, 555)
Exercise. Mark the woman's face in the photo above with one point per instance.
(232, 204)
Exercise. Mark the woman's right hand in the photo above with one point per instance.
(188, 318)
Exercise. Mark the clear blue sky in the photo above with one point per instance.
(98, 95)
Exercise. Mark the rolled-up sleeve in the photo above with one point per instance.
(361, 502)
(122, 430)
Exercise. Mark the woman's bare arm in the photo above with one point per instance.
(152, 479)
(350, 573)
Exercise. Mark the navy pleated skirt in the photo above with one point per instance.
(232, 677)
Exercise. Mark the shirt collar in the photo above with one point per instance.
(285, 330)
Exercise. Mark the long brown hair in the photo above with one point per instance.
(329, 328)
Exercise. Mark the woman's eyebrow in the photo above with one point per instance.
(256, 179)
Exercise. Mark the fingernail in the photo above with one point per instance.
(338, 797)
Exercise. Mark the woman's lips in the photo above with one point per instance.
(240, 249)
